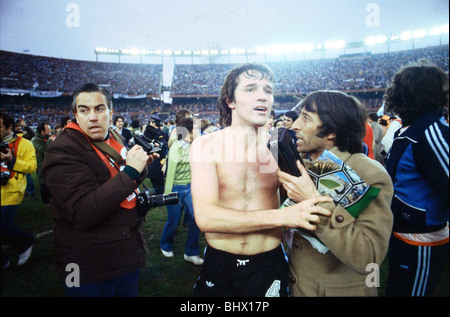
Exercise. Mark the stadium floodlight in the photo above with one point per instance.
(336, 44)
(237, 51)
(276, 49)
(438, 30)
(305, 47)
(418, 34)
(373, 40)
(224, 52)
(406, 36)
(167, 52)
(260, 50)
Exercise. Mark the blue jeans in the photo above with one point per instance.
(122, 286)
(31, 188)
(173, 218)
(15, 238)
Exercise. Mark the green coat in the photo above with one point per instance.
(40, 144)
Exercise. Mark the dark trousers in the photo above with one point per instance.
(13, 237)
(122, 286)
(45, 194)
(414, 270)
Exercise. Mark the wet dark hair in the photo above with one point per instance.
(340, 114)
(91, 88)
(417, 89)
(230, 84)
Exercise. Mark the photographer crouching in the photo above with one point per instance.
(93, 179)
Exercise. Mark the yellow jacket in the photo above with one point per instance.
(14, 191)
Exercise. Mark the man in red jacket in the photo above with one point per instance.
(93, 180)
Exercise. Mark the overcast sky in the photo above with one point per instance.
(73, 28)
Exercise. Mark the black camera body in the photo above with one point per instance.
(4, 177)
(283, 148)
(149, 146)
(3, 147)
(145, 201)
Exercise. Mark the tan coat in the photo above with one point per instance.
(353, 243)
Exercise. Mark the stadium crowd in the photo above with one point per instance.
(300, 77)
(23, 71)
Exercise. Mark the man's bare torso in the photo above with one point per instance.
(247, 180)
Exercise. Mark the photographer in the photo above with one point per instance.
(155, 173)
(93, 200)
(17, 159)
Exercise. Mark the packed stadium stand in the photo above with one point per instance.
(40, 87)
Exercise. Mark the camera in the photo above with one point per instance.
(149, 146)
(3, 147)
(145, 201)
(4, 177)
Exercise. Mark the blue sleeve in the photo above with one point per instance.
(431, 155)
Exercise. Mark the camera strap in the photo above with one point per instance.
(109, 149)
(110, 155)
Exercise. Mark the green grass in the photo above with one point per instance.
(163, 277)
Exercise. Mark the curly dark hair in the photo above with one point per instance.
(230, 84)
(417, 89)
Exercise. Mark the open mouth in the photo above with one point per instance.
(261, 109)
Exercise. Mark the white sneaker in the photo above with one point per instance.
(196, 260)
(167, 254)
(24, 257)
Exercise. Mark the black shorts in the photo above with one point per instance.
(260, 275)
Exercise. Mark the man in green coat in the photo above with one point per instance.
(41, 141)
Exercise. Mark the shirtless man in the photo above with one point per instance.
(235, 194)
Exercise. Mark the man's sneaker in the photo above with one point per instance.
(167, 254)
(24, 257)
(194, 259)
(6, 265)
